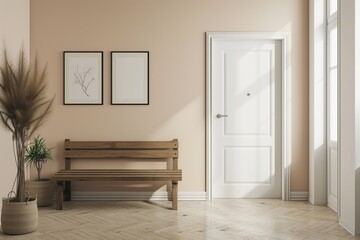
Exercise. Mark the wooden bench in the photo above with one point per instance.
(145, 150)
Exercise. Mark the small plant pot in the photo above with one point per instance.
(44, 190)
(19, 217)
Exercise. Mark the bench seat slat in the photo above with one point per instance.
(114, 175)
(119, 170)
(130, 154)
(162, 175)
(121, 145)
(121, 174)
(118, 178)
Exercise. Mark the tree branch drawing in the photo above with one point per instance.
(83, 78)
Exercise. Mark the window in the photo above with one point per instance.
(332, 70)
(332, 7)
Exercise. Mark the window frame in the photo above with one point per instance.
(332, 23)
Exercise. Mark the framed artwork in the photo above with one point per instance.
(83, 78)
(129, 77)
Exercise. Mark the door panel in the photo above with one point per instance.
(247, 138)
(332, 178)
(333, 171)
(253, 91)
(248, 165)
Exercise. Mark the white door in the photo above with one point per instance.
(246, 107)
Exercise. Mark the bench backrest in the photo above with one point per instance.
(121, 150)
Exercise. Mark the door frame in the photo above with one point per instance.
(284, 38)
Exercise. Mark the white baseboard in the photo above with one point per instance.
(347, 229)
(139, 196)
(299, 196)
(159, 196)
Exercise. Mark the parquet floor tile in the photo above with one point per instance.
(241, 219)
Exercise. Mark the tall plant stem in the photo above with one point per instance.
(20, 139)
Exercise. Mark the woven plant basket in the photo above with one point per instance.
(19, 217)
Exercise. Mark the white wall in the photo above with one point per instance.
(349, 115)
(14, 33)
(317, 103)
(357, 117)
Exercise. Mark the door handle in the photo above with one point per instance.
(221, 116)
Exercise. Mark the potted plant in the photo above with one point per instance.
(23, 109)
(37, 154)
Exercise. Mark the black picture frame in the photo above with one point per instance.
(130, 80)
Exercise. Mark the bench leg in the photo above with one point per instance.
(169, 165)
(174, 196)
(59, 195)
(67, 191)
(169, 190)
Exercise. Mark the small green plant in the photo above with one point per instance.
(37, 154)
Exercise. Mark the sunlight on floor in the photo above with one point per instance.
(220, 219)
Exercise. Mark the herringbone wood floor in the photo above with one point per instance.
(220, 220)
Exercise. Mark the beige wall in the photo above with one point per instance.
(174, 33)
(14, 33)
